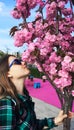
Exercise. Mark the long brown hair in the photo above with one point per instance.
(7, 88)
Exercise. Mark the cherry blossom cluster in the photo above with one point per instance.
(49, 38)
(23, 8)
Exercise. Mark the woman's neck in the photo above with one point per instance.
(19, 84)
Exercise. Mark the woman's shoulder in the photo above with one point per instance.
(7, 100)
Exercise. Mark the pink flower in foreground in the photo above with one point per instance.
(63, 82)
(73, 93)
(57, 81)
(52, 69)
(65, 66)
(50, 38)
(38, 66)
(27, 35)
(43, 51)
(54, 58)
(19, 38)
(44, 77)
(66, 81)
(67, 59)
(63, 73)
(66, 63)
(72, 66)
(25, 55)
(31, 47)
(67, 11)
(16, 14)
(61, 4)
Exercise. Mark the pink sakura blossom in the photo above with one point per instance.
(52, 69)
(44, 45)
(39, 28)
(31, 47)
(53, 5)
(63, 82)
(65, 66)
(18, 43)
(43, 51)
(59, 37)
(24, 9)
(28, 57)
(21, 6)
(63, 73)
(30, 3)
(31, 28)
(67, 37)
(67, 59)
(16, 14)
(65, 45)
(44, 77)
(64, 28)
(54, 58)
(61, 4)
(57, 81)
(66, 81)
(20, 1)
(72, 66)
(66, 63)
(37, 44)
(40, 3)
(38, 66)
(50, 11)
(73, 93)
(27, 34)
(25, 55)
(67, 11)
(50, 38)
(47, 68)
(70, 53)
(38, 15)
(21, 37)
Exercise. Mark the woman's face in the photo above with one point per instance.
(17, 68)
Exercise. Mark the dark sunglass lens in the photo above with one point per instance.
(17, 61)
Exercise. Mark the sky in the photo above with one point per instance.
(6, 23)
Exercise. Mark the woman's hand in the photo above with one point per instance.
(70, 114)
(59, 119)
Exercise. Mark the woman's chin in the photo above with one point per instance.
(27, 73)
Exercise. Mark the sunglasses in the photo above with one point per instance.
(16, 62)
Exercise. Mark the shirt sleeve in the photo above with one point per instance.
(46, 122)
(50, 123)
(7, 114)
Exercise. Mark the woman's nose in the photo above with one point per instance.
(23, 63)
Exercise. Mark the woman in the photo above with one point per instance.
(16, 106)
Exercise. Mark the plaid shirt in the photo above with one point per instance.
(23, 118)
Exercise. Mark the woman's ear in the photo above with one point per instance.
(9, 75)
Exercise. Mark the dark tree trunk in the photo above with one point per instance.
(66, 124)
(67, 107)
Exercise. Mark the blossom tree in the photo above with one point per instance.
(50, 43)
